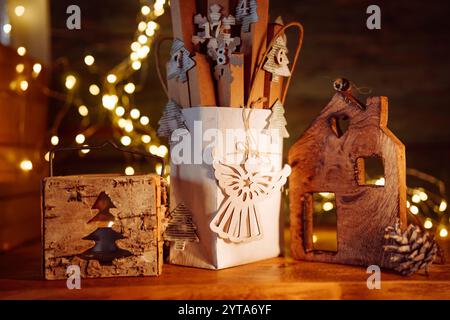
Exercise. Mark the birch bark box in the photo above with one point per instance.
(195, 186)
(107, 225)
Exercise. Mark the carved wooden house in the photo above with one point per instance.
(328, 161)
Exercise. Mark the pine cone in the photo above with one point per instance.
(411, 250)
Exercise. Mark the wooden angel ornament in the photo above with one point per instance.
(244, 185)
(330, 159)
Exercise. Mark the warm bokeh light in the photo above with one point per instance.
(125, 140)
(153, 149)
(145, 10)
(70, 82)
(135, 113)
(158, 168)
(146, 138)
(54, 140)
(443, 206)
(37, 68)
(83, 110)
(109, 101)
(111, 78)
(23, 85)
(21, 51)
(136, 65)
(94, 89)
(423, 196)
(415, 198)
(162, 151)
(120, 111)
(122, 123)
(428, 224)
(328, 206)
(19, 11)
(142, 39)
(7, 28)
(144, 120)
(80, 138)
(20, 68)
(129, 171)
(129, 126)
(89, 60)
(129, 87)
(26, 165)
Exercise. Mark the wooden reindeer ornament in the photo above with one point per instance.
(328, 160)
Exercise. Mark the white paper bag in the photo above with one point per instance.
(219, 133)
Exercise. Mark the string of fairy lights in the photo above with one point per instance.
(114, 90)
(425, 207)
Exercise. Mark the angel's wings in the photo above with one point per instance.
(237, 180)
(237, 218)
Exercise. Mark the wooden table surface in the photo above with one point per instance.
(279, 278)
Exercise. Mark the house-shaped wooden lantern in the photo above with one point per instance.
(330, 162)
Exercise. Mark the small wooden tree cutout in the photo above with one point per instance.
(103, 204)
(171, 120)
(277, 62)
(246, 14)
(277, 120)
(181, 228)
(180, 62)
(105, 249)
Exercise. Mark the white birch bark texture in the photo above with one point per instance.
(139, 205)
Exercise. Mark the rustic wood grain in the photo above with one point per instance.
(67, 208)
(278, 278)
(253, 46)
(22, 136)
(183, 12)
(178, 91)
(201, 85)
(322, 162)
(230, 82)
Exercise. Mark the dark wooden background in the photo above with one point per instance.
(407, 60)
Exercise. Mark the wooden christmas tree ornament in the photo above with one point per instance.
(277, 121)
(171, 120)
(181, 228)
(108, 225)
(273, 89)
(329, 160)
(277, 60)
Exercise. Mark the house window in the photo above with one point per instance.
(339, 124)
(370, 171)
(324, 222)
